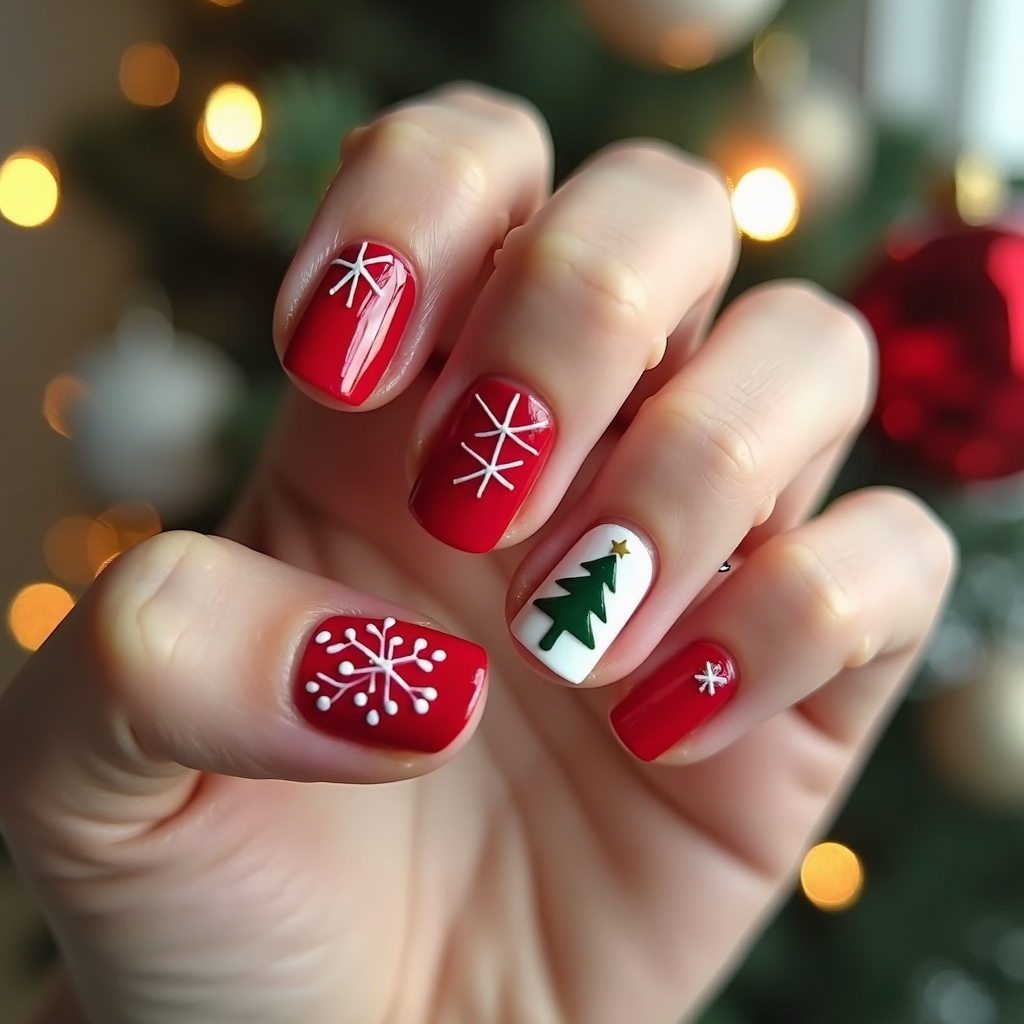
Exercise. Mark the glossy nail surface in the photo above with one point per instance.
(389, 684)
(575, 615)
(351, 328)
(483, 464)
(675, 700)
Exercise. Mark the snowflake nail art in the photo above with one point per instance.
(388, 683)
(351, 328)
(483, 465)
(675, 700)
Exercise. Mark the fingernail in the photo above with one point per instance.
(351, 328)
(577, 612)
(483, 464)
(675, 700)
(389, 684)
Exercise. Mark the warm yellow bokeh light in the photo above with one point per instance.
(781, 59)
(982, 193)
(132, 521)
(61, 396)
(75, 547)
(765, 204)
(232, 121)
(29, 192)
(225, 3)
(36, 611)
(831, 876)
(149, 75)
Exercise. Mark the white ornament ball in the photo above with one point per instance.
(682, 34)
(974, 732)
(154, 401)
(815, 130)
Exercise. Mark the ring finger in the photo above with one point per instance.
(781, 379)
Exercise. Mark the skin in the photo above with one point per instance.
(158, 792)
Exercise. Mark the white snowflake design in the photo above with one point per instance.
(493, 468)
(710, 678)
(382, 671)
(356, 271)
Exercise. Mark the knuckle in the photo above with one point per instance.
(717, 438)
(498, 108)
(415, 136)
(847, 339)
(149, 600)
(936, 545)
(661, 160)
(602, 288)
(827, 606)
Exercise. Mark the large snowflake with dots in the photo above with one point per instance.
(377, 668)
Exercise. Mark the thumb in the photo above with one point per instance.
(194, 654)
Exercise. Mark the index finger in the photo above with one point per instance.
(423, 196)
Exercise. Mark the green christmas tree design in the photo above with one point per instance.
(570, 612)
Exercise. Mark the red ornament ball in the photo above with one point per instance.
(948, 312)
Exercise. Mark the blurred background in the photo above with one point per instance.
(159, 162)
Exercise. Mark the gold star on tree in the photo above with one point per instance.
(619, 548)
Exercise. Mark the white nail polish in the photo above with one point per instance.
(568, 625)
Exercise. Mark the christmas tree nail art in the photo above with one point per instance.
(583, 605)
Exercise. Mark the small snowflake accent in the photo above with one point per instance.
(381, 670)
(357, 271)
(493, 467)
(710, 678)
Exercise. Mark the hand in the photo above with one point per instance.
(157, 755)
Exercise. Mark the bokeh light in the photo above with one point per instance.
(232, 121)
(688, 47)
(781, 59)
(36, 611)
(982, 193)
(75, 547)
(831, 876)
(61, 396)
(765, 204)
(29, 192)
(149, 75)
(225, 3)
(132, 522)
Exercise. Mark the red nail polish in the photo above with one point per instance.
(483, 464)
(351, 328)
(389, 684)
(675, 700)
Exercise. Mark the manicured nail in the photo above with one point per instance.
(351, 328)
(483, 464)
(675, 700)
(389, 684)
(577, 612)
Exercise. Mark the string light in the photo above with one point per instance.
(29, 192)
(831, 876)
(61, 396)
(149, 75)
(36, 611)
(232, 121)
(765, 204)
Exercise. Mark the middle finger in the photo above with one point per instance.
(581, 303)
